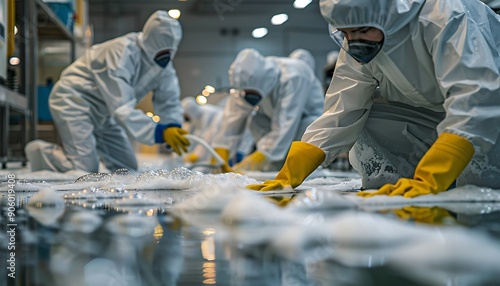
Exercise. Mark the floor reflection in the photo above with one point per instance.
(278, 240)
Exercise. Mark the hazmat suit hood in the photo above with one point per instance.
(304, 55)
(251, 70)
(160, 32)
(389, 16)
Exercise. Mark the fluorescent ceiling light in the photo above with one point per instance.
(300, 4)
(259, 32)
(210, 88)
(279, 19)
(174, 13)
(14, 61)
(201, 100)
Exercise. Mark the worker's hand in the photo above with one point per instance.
(174, 137)
(270, 185)
(435, 172)
(226, 169)
(302, 159)
(252, 162)
(191, 158)
(434, 215)
(224, 154)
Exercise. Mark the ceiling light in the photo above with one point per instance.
(259, 32)
(201, 100)
(279, 19)
(300, 4)
(174, 13)
(210, 88)
(14, 61)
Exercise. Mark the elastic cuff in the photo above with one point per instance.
(159, 131)
(458, 146)
(311, 152)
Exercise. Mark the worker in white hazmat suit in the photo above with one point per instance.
(280, 96)
(436, 121)
(93, 103)
(201, 121)
(342, 161)
(305, 56)
(205, 121)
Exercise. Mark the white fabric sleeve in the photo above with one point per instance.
(114, 85)
(347, 105)
(467, 66)
(166, 98)
(236, 113)
(286, 119)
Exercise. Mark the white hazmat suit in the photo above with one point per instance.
(305, 56)
(93, 103)
(290, 98)
(205, 122)
(438, 71)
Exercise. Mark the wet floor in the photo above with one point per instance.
(187, 228)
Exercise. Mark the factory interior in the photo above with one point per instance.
(117, 171)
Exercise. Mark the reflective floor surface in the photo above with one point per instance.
(187, 228)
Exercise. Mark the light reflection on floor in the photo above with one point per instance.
(312, 238)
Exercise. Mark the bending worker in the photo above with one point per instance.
(436, 122)
(93, 103)
(280, 96)
(305, 56)
(204, 121)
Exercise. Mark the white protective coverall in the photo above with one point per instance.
(438, 71)
(304, 55)
(292, 98)
(93, 103)
(205, 121)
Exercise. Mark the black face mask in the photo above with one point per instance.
(362, 50)
(162, 58)
(252, 96)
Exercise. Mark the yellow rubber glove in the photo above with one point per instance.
(302, 159)
(174, 137)
(435, 172)
(191, 158)
(252, 162)
(434, 215)
(224, 154)
(280, 201)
